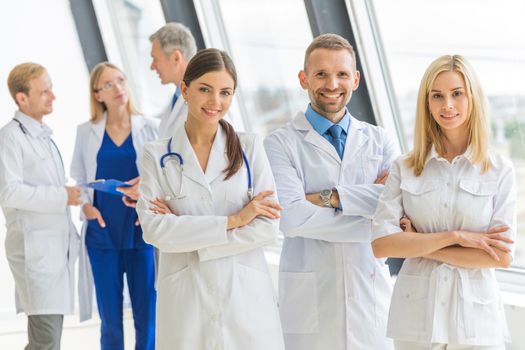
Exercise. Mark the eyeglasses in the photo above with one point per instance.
(110, 85)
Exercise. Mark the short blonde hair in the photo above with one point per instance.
(20, 76)
(98, 108)
(330, 41)
(427, 131)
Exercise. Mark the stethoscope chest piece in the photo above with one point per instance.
(169, 155)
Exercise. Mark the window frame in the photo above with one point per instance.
(373, 55)
(215, 35)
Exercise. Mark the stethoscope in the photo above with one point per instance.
(24, 131)
(169, 155)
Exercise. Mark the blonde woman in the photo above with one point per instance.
(457, 204)
(108, 147)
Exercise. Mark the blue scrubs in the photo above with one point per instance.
(119, 248)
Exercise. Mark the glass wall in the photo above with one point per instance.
(126, 26)
(495, 47)
(54, 44)
(267, 43)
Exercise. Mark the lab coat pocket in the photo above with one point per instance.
(298, 302)
(409, 306)
(45, 251)
(259, 311)
(370, 163)
(480, 313)
(418, 187)
(420, 196)
(177, 308)
(475, 202)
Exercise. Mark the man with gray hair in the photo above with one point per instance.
(172, 47)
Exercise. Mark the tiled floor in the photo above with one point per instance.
(76, 335)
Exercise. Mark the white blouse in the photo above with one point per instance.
(436, 302)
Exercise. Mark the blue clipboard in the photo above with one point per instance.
(108, 186)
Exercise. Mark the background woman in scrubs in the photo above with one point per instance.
(107, 147)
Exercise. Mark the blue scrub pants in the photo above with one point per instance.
(108, 268)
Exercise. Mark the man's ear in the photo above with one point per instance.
(176, 56)
(21, 98)
(357, 78)
(302, 79)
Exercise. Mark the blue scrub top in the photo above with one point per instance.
(115, 162)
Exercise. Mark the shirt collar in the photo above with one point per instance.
(32, 126)
(432, 154)
(321, 124)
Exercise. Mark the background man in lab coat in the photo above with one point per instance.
(172, 47)
(41, 241)
(330, 169)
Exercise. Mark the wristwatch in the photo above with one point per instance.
(326, 195)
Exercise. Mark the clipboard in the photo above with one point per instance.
(108, 186)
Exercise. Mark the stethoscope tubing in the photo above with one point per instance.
(166, 156)
(24, 131)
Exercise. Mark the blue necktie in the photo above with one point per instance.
(337, 141)
(175, 97)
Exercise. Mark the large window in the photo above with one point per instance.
(31, 36)
(267, 40)
(126, 26)
(491, 34)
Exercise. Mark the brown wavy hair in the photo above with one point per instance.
(212, 60)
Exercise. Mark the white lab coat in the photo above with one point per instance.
(214, 290)
(434, 302)
(333, 293)
(173, 118)
(41, 241)
(83, 170)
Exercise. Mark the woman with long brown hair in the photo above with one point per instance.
(208, 204)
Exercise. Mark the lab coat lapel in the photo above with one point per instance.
(137, 123)
(192, 169)
(92, 145)
(355, 139)
(99, 128)
(174, 115)
(311, 136)
(28, 124)
(218, 160)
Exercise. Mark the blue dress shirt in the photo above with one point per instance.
(322, 124)
(175, 97)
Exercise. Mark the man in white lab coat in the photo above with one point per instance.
(330, 169)
(172, 47)
(41, 241)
